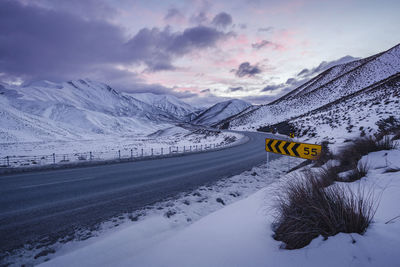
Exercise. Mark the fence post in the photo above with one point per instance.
(190, 149)
(119, 154)
(184, 149)
(196, 147)
(54, 158)
(131, 153)
(201, 147)
(142, 152)
(169, 150)
(151, 151)
(8, 161)
(161, 151)
(90, 155)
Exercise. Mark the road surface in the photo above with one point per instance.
(48, 205)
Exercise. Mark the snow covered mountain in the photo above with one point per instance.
(335, 85)
(221, 111)
(167, 103)
(75, 109)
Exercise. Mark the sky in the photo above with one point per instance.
(201, 51)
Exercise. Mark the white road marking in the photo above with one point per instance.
(58, 182)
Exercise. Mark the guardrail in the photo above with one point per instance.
(124, 154)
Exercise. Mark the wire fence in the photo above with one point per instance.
(124, 154)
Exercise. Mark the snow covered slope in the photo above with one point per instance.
(74, 110)
(221, 111)
(167, 103)
(352, 116)
(329, 86)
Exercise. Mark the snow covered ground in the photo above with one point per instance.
(240, 234)
(164, 141)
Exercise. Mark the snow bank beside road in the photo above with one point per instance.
(241, 235)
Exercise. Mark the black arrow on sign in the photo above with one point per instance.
(285, 146)
(269, 144)
(277, 146)
(294, 149)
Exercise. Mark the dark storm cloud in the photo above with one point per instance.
(222, 19)
(206, 91)
(245, 69)
(40, 43)
(196, 37)
(158, 47)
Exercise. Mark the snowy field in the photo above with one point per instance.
(162, 142)
(240, 234)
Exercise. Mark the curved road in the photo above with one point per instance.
(52, 204)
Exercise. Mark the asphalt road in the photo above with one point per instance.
(52, 204)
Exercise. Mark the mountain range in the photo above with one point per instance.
(85, 109)
(339, 95)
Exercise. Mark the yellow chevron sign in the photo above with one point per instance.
(294, 149)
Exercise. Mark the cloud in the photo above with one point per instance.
(199, 18)
(222, 19)
(205, 90)
(324, 65)
(261, 44)
(234, 89)
(264, 44)
(205, 100)
(245, 69)
(42, 43)
(37, 41)
(174, 14)
(278, 90)
(266, 29)
(89, 9)
(270, 88)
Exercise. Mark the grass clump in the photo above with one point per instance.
(307, 209)
(352, 153)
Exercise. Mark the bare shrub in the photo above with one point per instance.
(325, 155)
(357, 173)
(352, 153)
(328, 175)
(305, 210)
(396, 135)
(387, 126)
